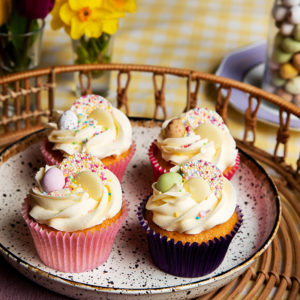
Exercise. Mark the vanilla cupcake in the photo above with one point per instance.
(74, 213)
(192, 216)
(91, 126)
(199, 133)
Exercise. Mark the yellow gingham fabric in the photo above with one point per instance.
(190, 34)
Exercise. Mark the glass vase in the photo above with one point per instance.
(20, 52)
(282, 68)
(93, 51)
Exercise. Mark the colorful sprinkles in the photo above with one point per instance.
(86, 104)
(202, 214)
(206, 170)
(78, 162)
(197, 116)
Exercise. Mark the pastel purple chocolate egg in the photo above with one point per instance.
(68, 120)
(53, 180)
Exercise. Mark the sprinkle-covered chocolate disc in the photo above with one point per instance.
(197, 116)
(79, 162)
(206, 170)
(86, 104)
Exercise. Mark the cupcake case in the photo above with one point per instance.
(129, 271)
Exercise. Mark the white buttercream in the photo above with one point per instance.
(109, 134)
(206, 140)
(191, 213)
(73, 208)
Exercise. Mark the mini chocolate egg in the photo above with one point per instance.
(175, 129)
(280, 12)
(280, 56)
(293, 86)
(288, 71)
(290, 3)
(294, 15)
(278, 40)
(68, 120)
(285, 95)
(278, 81)
(290, 45)
(297, 100)
(166, 181)
(296, 61)
(286, 28)
(53, 180)
(274, 66)
(296, 32)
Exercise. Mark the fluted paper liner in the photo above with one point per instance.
(186, 260)
(159, 170)
(71, 252)
(118, 167)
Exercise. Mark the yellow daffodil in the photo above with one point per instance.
(5, 11)
(120, 5)
(88, 18)
(56, 21)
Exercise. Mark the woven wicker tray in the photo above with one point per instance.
(276, 273)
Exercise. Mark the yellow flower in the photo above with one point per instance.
(120, 5)
(88, 18)
(5, 11)
(56, 21)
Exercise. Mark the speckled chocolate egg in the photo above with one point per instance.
(284, 94)
(288, 71)
(53, 180)
(296, 61)
(175, 129)
(68, 120)
(293, 86)
(297, 100)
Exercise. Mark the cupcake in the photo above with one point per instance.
(199, 133)
(190, 219)
(91, 126)
(74, 213)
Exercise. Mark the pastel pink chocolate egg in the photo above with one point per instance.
(297, 100)
(280, 12)
(53, 180)
(285, 95)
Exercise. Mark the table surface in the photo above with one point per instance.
(185, 34)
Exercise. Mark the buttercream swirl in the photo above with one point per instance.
(206, 138)
(91, 195)
(195, 205)
(102, 130)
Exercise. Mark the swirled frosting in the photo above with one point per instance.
(91, 194)
(102, 130)
(203, 200)
(206, 137)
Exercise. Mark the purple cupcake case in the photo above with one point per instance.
(186, 260)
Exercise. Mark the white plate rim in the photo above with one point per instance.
(182, 287)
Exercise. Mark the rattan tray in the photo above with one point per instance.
(276, 273)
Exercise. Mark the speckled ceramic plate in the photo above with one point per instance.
(247, 65)
(129, 271)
